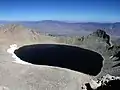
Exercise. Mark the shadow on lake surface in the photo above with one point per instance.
(70, 57)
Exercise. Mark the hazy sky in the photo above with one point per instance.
(71, 10)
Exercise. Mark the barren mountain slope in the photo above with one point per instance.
(14, 76)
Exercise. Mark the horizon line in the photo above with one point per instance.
(67, 21)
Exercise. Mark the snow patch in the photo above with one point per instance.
(11, 50)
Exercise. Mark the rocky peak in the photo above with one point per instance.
(102, 35)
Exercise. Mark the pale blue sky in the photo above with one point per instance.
(70, 10)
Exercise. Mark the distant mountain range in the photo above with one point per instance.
(67, 28)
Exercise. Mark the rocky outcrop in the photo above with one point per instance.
(98, 41)
(101, 34)
(107, 82)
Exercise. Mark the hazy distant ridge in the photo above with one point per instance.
(67, 28)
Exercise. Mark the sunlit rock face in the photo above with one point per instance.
(70, 57)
